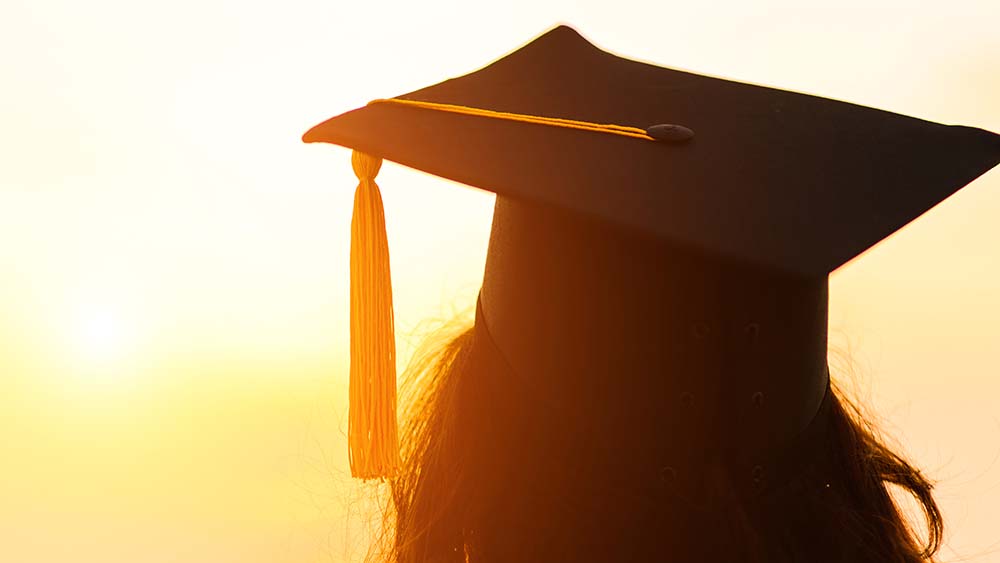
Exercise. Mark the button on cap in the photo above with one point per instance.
(669, 132)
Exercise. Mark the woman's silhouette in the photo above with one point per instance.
(646, 379)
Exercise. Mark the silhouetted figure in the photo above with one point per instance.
(646, 379)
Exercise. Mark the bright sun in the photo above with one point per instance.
(101, 338)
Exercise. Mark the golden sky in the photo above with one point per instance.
(173, 283)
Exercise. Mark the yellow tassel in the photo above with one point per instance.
(372, 432)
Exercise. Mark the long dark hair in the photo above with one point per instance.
(478, 485)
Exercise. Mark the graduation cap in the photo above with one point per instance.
(657, 234)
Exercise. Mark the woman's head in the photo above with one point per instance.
(601, 355)
(620, 398)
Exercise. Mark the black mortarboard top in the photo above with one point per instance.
(693, 219)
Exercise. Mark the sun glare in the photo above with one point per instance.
(101, 338)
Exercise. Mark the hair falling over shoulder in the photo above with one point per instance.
(470, 490)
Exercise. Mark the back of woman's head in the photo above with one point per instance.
(493, 474)
(647, 374)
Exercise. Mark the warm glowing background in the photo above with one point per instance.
(173, 284)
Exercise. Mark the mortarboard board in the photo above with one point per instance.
(666, 229)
